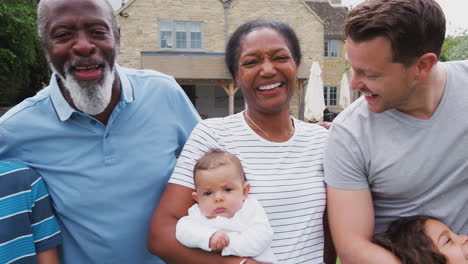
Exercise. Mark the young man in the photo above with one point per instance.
(400, 149)
(104, 138)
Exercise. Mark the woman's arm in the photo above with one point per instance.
(162, 242)
(329, 253)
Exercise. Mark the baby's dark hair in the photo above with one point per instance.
(407, 240)
(215, 158)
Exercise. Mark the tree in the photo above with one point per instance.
(22, 64)
(455, 48)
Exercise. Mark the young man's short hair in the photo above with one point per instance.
(413, 27)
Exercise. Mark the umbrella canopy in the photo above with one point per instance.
(314, 101)
(345, 97)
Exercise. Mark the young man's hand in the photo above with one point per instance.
(219, 240)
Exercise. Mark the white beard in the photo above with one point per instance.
(90, 97)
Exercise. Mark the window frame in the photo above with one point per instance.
(188, 24)
(327, 45)
(326, 95)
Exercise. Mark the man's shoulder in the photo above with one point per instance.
(456, 71)
(145, 73)
(28, 108)
(357, 111)
(460, 64)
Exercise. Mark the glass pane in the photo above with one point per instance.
(195, 40)
(333, 96)
(335, 48)
(195, 27)
(181, 26)
(181, 40)
(325, 94)
(165, 26)
(325, 48)
(166, 40)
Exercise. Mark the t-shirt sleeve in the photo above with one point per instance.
(344, 162)
(200, 141)
(46, 231)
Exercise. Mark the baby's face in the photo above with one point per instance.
(220, 191)
(454, 247)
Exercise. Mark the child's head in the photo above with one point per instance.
(220, 184)
(424, 239)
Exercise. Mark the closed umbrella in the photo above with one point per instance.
(345, 97)
(314, 101)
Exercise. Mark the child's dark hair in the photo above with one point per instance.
(406, 239)
(215, 158)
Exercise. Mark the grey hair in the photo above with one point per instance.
(42, 22)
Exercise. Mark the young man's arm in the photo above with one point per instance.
(162, 242)
(48, 257)
(351, 218)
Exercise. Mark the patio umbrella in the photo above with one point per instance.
(345, 97)
(314, 101)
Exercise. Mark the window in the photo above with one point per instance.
(330, 94)
(332, 48)
(180, 35)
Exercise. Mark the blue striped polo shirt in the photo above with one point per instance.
(27, 224)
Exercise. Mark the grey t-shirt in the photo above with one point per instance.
(411, 166)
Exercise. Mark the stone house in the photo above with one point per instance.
(333, 15)
(186, 39)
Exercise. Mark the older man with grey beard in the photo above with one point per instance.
(104, 138)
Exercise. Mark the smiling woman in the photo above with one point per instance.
(281, 156)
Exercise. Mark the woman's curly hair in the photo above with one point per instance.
(406, 239)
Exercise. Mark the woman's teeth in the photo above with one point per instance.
(269, 87)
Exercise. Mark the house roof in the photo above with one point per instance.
(194, 65)
(122, 8)
(129, 2)
(333, 17)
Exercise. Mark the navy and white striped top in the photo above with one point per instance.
(286, 178)
(27, 225)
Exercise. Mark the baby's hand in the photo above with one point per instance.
(219, 240)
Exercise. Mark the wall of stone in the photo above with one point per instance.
(139, 31)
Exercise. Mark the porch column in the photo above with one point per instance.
(231, 90)
(301, 92)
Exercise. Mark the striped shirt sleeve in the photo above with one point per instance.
(45, 229)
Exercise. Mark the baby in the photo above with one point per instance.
(423, 239)
(225, 219)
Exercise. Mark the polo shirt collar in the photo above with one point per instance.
(64, 110)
